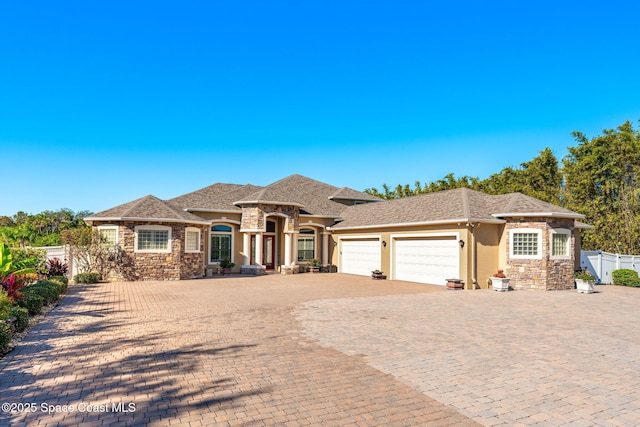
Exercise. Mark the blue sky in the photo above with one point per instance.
(104, 102)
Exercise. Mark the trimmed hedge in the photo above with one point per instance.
(5, 337)
(33, 303)
(87, 278)
(60, 279)
(22, 318)
(5, 305)
(626, 277)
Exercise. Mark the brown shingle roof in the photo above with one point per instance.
(461, 204)
(313, 196)
(146, 208)
(214, 197)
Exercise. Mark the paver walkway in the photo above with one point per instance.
(517, 358)
(326, 349)
(225, 351)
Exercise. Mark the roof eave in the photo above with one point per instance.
(123, 218)
(542, 214)
(355, 199)
(266, 202)
(211, 210)
(410, 224)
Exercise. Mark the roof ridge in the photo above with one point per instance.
(139, 201)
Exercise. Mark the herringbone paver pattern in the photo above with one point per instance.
(225, 352)
(517, 358)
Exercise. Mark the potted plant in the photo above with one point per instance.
(314, 265)
(500, 282)
(584, 281)
(226, 266)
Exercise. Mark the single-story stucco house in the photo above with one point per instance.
(429, 238)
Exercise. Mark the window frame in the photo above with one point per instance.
(213, 233)
(102, 228)
(535, 231)
(312, 236)
(186, 240)
(562, 232)
(161, 228)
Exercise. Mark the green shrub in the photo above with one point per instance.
(45, 289)
(60, 279)
(22, 318)
(626, 277)
(5, 305)
(5, 337)
(87, 278)
(32, 302)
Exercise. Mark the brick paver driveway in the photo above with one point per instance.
(326, 349)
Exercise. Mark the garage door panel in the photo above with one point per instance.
(360, 256)
(426, 260)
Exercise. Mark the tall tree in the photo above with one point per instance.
(603, 182)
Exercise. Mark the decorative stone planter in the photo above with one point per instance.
(314, 269)
(585, 286)
(455, 284)
(500, 284)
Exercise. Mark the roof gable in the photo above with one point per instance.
(145, 208)
(313, 197)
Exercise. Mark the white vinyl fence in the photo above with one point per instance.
(601, 264)
(63, 254)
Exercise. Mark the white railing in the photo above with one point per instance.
(602, 264)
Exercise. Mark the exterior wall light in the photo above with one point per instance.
(461, 242)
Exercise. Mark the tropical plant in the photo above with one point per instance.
(55, 267)
(12, 285)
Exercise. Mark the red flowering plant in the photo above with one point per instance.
(12, 285)
(499, 274)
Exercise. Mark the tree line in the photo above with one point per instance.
(42, 229)
(599, 177)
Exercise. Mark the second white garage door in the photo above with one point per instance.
(359, 256)
(426, 260)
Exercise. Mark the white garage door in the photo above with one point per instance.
(359, 256)
(426, 260)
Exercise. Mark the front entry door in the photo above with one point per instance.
(268, 250)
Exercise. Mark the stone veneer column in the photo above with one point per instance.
(246, 248)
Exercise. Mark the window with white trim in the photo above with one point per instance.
(153, 238)
(560, 243)
(525, 243)
(221, 243)
(109, 234)
(192, 240)
(306, 244)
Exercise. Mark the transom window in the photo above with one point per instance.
(153, 238)
(526, 243)
(192, 240)
(221, 242)
(560, 243)
(306, 244)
